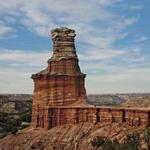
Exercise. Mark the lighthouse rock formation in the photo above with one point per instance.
(60, 95)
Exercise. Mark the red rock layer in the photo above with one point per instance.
(62, 82)
(56, 116)
(60, 96)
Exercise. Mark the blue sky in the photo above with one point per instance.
(112, 42)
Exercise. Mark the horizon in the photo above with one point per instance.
(112, 43)
(86, 93)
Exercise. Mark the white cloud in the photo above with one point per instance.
(27, 57)
(136, 7)
(4, 30)
(141, 39)
(39, 15)
(107, 2)
(100, 54)
(136, 49)
(96, 25)
(13, 81)
(128, 81)
(16, 68)
(116, 77)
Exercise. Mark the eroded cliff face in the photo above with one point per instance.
(66, 137)
(61, 83)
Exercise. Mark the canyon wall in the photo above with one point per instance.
(57, 116)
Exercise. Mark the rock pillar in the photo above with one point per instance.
(62, 82)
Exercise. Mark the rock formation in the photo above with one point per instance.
(62, 82)
(60, 96)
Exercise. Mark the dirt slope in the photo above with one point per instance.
(66, 137)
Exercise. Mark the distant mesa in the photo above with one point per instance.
(138, 102)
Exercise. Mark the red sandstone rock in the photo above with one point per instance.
(60, 95)
(62, 82)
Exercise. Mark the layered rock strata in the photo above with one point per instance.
(60, 95)
(62, 82)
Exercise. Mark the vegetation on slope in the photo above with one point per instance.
(12, 122)
(134, 141)
(69, 137)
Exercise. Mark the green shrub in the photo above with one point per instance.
(3, 135)
(16, 122)
(147, 137)
(24, 126)
(117, 145)
(108, 145)
(97, 142)
(14, 130)
(32, 147)
(8, 128)
(132, 142)
(26, 117)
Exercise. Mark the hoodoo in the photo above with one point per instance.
(60, 95)
(62, 82)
